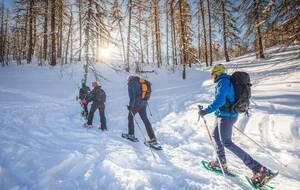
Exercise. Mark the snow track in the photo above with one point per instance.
(43, 144)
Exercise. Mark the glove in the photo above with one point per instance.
(83, 101)
(131, 108)
(202, 113)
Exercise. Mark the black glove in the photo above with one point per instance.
(131, 108)
(202, 113)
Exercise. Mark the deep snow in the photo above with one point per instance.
(43, 144)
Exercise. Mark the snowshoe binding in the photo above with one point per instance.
(152, 143)
(262, 177)
(87, 126)
(130, 137)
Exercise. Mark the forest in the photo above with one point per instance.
(172, 33)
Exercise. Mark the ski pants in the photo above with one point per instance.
(222, 135)
(85, 109)
(101, 108)
(143, 114)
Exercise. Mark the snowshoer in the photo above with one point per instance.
(225, 119)
(83, 92)
(98, 97)
(138, 104)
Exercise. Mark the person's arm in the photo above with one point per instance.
(90, 96)
(132, 92)
(220, 97)
(80, 94)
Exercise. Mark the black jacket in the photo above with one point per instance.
(83, 92)
(97, 95)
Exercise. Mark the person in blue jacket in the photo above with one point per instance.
(138, 105)
(225, 119)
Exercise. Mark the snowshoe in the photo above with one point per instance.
(263, 176)
(130, 137)
(214, 166)
(153, 144)
(102, 128)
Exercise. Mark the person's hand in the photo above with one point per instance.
(83, 101)
(131, 108)
(202, 113)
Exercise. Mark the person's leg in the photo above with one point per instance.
(102, 117)
(130, 122)
(226, 125)
(220, 147)
(86, 112)
(143, 115)
(91, 114)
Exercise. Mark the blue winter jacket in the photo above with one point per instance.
(224, 89)
(134, 91)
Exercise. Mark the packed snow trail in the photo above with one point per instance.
(43, 144)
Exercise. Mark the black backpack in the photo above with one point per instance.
(242, 88)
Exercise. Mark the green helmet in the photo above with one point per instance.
(218, 69)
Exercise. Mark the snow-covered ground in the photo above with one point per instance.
(43, 144)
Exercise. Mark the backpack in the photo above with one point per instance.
(242, 88)
(101, 96)
(145, 89)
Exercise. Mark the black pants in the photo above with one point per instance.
(101, 108)
(143, 114)
(85, 110)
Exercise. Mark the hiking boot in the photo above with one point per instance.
(102, 128)
(216, 165)
(88, 126)
(152, 141)
(263, 176)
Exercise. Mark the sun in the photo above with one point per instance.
(105, 53)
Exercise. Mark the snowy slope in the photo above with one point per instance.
(43, 144)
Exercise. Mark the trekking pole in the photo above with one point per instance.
(211, 140)
(141, 131)
(285, 165)
(149, 109)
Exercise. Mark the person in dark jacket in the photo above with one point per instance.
(138, 105)
(98, 97)
(83, 92)
(225, 119)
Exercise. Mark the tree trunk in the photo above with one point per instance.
(30, 40)
(167, 31)
(147, 42)
(60, 36)
(129, 32)
(45, 47)
(6, 40)
(257, 26)
(157, 33)
(174, 46)
(2, 35)
(53, 39)
(68, 39)
(209, 33)
(224, 31)
(87, 41)
(183, 45)
(204, 31)
(152, 44)
(199, 32)
(140, 30)
(122, 40)
(80, 28)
